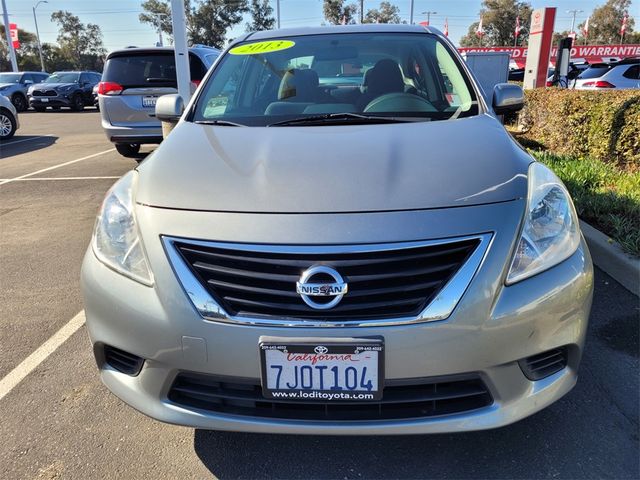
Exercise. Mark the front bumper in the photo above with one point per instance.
(489, 331)
(59, 101)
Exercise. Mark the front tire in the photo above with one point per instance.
(129, 150)
(19, 102)
(8, 125)
(78, 103)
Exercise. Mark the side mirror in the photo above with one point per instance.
(169, 108)
(28, 82)
(507, 98)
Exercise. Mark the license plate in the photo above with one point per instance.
(149, 101)
(44, 100)
(323, 370)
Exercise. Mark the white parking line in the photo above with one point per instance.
(9, 180)
(34, 137)
(29, 364)
(57, 178)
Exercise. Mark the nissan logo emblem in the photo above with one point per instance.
(307, 288)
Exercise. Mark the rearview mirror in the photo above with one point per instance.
(507, 98)
(169, 108)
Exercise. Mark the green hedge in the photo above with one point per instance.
(600, 124)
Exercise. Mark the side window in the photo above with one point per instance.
(632, 72)
(95, 78)
(39, 78)
(27, 77)
(84, 78)
(196, 67)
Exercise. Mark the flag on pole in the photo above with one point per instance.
(518, 27)
(480, 29)
(585, 28)
(623, 28)
(13, 30)
(446, 27)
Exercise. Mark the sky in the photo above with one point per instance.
(118, 19)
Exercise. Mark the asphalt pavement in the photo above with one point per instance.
(61, 422)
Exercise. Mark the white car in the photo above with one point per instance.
(8, 119)
(620, 75)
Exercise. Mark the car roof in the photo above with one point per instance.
(193, 48)
(333, 29)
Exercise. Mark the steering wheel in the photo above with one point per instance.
(399, 102)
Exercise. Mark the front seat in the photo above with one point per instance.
(298, 89)
(385, 77)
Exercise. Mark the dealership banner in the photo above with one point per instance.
(13, 30)
(589, 53)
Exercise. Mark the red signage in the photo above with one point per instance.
(589, 53)
(13, 30)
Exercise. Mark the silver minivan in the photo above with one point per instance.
(339, 237)
(132, 81)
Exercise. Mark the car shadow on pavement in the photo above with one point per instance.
(20, 144)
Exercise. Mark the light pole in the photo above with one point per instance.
(428, 14)
(573, 21)
(35, 19)
(159, 17)
(411, 13)
(278, 12)
(7, 31)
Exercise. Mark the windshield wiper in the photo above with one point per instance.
(224, 123)
(340, 117)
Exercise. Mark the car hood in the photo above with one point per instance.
(53, 86)
(332, 169)
(3, 85)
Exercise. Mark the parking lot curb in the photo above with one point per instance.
(608, 256)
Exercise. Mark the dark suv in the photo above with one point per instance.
(64, 89)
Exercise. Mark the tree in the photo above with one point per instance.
(80, 43)
(261, 16)
(26, 55)
(336, 12)
(387, 13)
(207, 20)
(499, 24)
(605, 23)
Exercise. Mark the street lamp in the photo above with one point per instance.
(38, 33)
(573, 22)
(428, 14)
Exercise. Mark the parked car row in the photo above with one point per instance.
(40, 90)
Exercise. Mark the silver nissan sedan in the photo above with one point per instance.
(339, 237)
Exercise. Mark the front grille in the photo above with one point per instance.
(544, 364)
(44, 93)
(416, 398)
(389, 283)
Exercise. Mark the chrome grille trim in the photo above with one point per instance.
(440, 308)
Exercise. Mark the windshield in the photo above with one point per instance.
(63, 77)
(10, 77)
(413, 76)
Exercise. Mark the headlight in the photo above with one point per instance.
(550, 233)
(116, 241)
(66, 88)
(6, 87)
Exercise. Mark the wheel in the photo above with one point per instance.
(78, 103)
(19, 102)
(129, 150)
(39, 108)
(7, 124)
